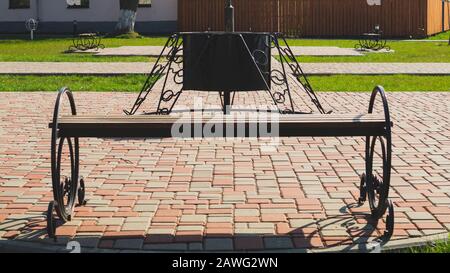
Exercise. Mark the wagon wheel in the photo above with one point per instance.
(64, 188)
(377, 182)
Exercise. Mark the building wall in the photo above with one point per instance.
(436, 23)
(318, 18)
(55, 17)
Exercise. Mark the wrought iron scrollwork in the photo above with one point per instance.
(288, 60)
(86, 41)
(372, 41)
(169, 69)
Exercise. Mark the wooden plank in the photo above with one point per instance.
(162, 126)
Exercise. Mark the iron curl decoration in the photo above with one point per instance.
(177, 75)
(260, 57)
(168, 56)
(372, 41)
(168, 95)
(277, 77)
(280, 97)
(87, 41)
(287, 56)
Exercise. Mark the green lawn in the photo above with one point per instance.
(52, 49)
(440, 36)
(437, 247)
(135, 82)
(403, 52)
(389, 82)
(74, 82)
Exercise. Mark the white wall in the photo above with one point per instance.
(98, 11)
(16, 15)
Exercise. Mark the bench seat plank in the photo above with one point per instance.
(149, 126)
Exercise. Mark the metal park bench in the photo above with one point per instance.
(372, 41)
(67, 130)
(86, 41)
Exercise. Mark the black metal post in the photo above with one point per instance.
(74, 28)
(229, 17)
(229, 27)
(443, 15)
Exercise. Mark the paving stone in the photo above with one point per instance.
(218, 244)
(414, 215)
(193, 218)
(195, 247)
(166, 247)
(142, 208)
(129, 243)
(110, 221)
(246, 212)
(278, 243)
(134, 226)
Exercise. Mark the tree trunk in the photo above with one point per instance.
(127, 19)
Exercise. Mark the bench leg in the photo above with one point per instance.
(378, 165)
(65, 189)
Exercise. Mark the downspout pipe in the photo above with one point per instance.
(37, 11)
(443, 15)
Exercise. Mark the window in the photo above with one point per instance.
(19, 4)
(145, 3)
(78, 4)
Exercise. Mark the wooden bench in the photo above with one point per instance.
(67, 130)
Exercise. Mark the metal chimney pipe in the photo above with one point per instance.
(229, 16)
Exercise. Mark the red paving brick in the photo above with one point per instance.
(150, 185)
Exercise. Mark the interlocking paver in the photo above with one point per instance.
(218, 244)
(203, 194)
(128, 243)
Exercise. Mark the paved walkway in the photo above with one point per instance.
(92, 68)
(224, 194)
(297, 50)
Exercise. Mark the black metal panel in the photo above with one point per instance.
(220, 61)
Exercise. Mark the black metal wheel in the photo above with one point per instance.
(64, 187)
(362, 190)
(51, 221)
(377, 182)
(81, 193)
(390, 223)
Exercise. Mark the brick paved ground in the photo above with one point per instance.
(89, 68)
(224, 194)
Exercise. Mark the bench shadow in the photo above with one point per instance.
(318, 235)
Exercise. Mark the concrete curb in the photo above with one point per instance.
(17, 246)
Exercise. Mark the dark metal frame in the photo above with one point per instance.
(64, 190)
(168, 56)
(373, 186)
(170, 63)
(86, 41)
(372, 41)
